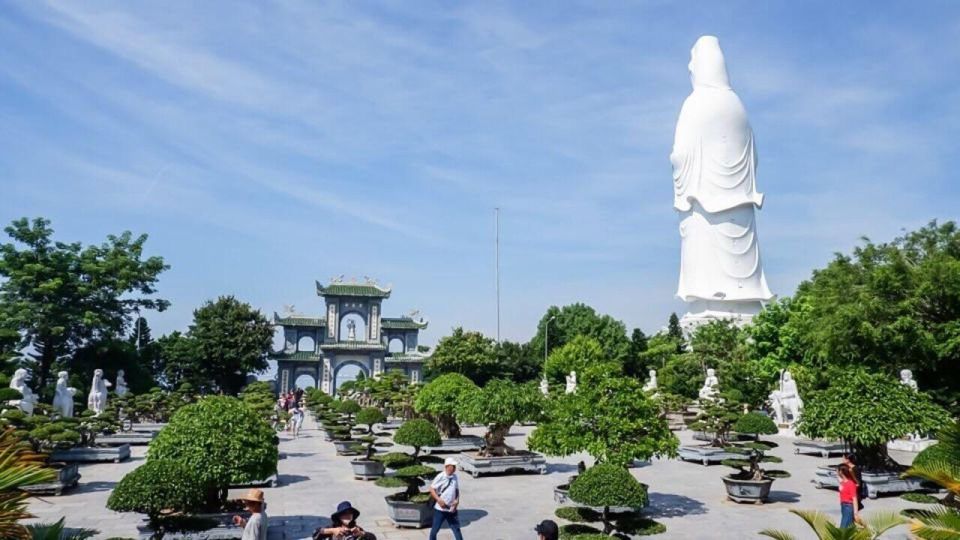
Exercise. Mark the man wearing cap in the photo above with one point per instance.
(254, 528)
(445, 489)
(547, 530)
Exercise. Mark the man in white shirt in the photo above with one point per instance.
(254, 528)
(445, 489)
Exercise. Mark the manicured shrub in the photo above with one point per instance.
(417, 433)
(754, 423)
(222, 440)
(159, 486)
(348, 407)
(370, 416)
(605, 485)
(440, 398)
(499, 405)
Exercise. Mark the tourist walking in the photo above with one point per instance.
(849, 511)
(255, 527)
(296, 420)
(445, 489)
(547, 530)
(343, 525)
(850, 460)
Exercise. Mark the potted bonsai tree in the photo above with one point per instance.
(168, 492)
(611, 418)
(45, 433)
(342, 438)
(499, 405)
(410, 507)
(367, 468)
(751, 483)
(225, 444)
(715, 421)
(607, 486)
(439, 400)
(866, 411)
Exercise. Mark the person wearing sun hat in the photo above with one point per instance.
(254, 528)
(343, 525)
(445, 489)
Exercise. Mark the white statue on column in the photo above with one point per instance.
(785, 400)
(63, 398)
(121, 384)
(906, 379)
(544, 386)
(19, 383)
(351, 330)
(97, 399)
(714, 179)
(571, 382)
(711, 385)
(651, 385)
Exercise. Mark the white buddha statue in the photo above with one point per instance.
(711, 385)
(121, 384)
(544, 386)
(19, 383)
(351, 330)
(571, 382)
(651, 385)
(785, 400)
(714, 185)
(63, 398)
(906, 379)
(97, 398)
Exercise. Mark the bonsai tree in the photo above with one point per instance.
(873, 527)
(605, 485)
(43, 431)
(499, 405)
(865, 411)
(369, 417)
(717, 418)
(410, 473)
(348, 408)
(158, 488)
(223, 442)
(749, 467)
(439, 399)
(259, 397)
(611, 419)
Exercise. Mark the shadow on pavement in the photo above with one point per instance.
(470, 515)
(668, 505)
(287, 479)
(784, 496)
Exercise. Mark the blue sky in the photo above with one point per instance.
(265, 145)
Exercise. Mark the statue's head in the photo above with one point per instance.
(787, 376)
(653, 374)
(97, 373)
(711, 372)
(906, 375)
(21, 375)
(707, 66)
(62, 376)
(120, 373)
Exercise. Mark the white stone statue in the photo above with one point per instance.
(19, 383)
(63, 398)
(785, 400)
(121, 384)
(651, 385)
(351, 330)
(714, 179)
(571, 382)
(544, 386)
(97, 398)
(906, 379)
(711, 385)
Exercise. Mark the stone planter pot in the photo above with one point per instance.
(467, 443)
(747, 491)
(522, 461)
(824, 448)
(133, 438)
(366, 469)
(68, 474)
(409, 514)
(877, 482)
(706, 454)
(223, 530)
(347, 447)
(147, 427)
(95, 454)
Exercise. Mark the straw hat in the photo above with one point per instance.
(254, 495)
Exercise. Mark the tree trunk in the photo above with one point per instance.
(607, 526)
(448, 426)
(494, 441)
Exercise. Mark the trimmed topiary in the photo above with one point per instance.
(157, 487)
(754, 423)
(417, 433)
(440, 398)
(370, 416)
(348, 408)
(222, 440)
(577, 514)
(605, 485)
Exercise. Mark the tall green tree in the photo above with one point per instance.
(518, 361)
(232, 340)
(470, 354)
(675, 331)
(61, 296)
(178, 362)
(636, 366)
(575, 320)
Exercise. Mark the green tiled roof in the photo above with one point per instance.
(353, 346)
(298, 320)
(402, 323)
(352, 289)
(298, 355)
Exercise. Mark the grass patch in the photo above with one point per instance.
(923, 498)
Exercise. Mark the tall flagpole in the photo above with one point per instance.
(496, 212)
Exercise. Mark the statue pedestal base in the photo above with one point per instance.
(705, 311)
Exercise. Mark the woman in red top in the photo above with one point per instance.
(848, 496)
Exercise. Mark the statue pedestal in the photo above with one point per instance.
(705, 311)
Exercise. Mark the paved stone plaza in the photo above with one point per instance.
(688, 498)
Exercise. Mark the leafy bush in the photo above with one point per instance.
(579, 354)
(440, 398)
(43, 431)
(682, 375)
(159, 486)
(499, 405)
(259, 397)
(370, 416)
(417, 433)
(605, 485)
(717, 417)
(348, 407)
(922, 498)
(754, 423)
(223, 442)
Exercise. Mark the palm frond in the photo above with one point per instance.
(941, 472)
(819, 522)
(19, 467)
(881, 522)
(777, 535)
(937, 524)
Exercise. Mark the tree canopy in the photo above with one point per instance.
(574, 320)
